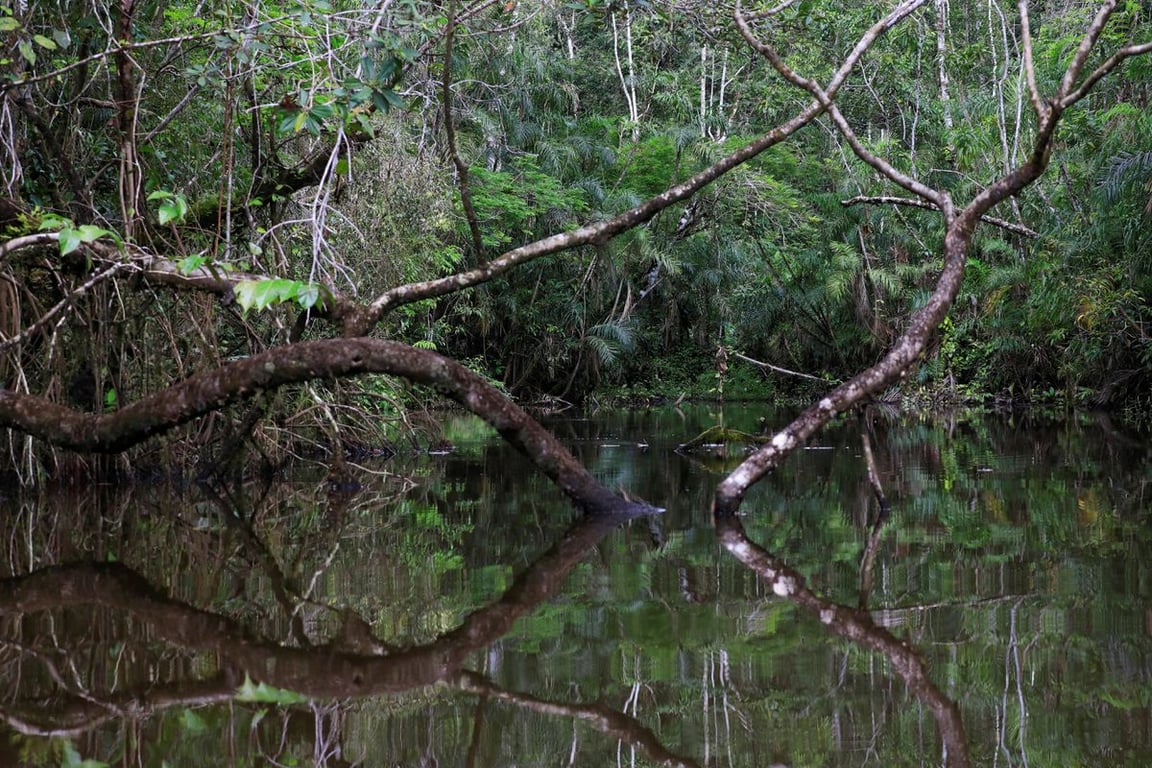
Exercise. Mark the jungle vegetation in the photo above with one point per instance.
(233, 223)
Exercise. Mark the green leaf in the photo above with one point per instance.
(261, 294)
(27, 51)
(190, 264)
(7, 24)
(173, 209)
(264, 693)
(69, 240)
(287, 124)
(44, 42)
(90, 233)
(71, 759)
(308, 295)
(387, 99)
(51, 221)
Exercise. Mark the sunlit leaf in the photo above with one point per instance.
(90, 233)
(190, 264)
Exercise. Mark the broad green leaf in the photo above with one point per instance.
(288, 124)
(44, 42)
(261, 294)
(7, 24)
(173, 209)
(70, 240)
(308, 295)
(90, 233)
(51, 221)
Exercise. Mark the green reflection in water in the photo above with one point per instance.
(1015, 561)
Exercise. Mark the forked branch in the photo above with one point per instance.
(957, 239)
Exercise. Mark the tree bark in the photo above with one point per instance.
(301, 362)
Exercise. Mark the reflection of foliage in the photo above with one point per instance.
(1014, 560)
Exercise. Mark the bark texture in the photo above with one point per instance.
(295, 363)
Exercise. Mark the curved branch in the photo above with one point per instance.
(1030, 61)
(825, 98)
(28, 241)
(331, 670)
(599, 717)
(783, 371)
(293, 364)
(589, 234)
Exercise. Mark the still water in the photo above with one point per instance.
(452, 610)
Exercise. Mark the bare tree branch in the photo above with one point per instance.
(1112, 62)
(1038, 105)
(912, 343)
(784, 371)
(603, 231)
(1018, 229)
(450, 136)
(825, 99)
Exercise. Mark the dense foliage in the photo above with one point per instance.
(336, 151)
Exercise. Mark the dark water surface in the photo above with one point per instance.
(453, 610)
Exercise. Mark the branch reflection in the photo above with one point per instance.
(857, 626)
(351, 664)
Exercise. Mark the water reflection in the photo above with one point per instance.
(451, 612)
